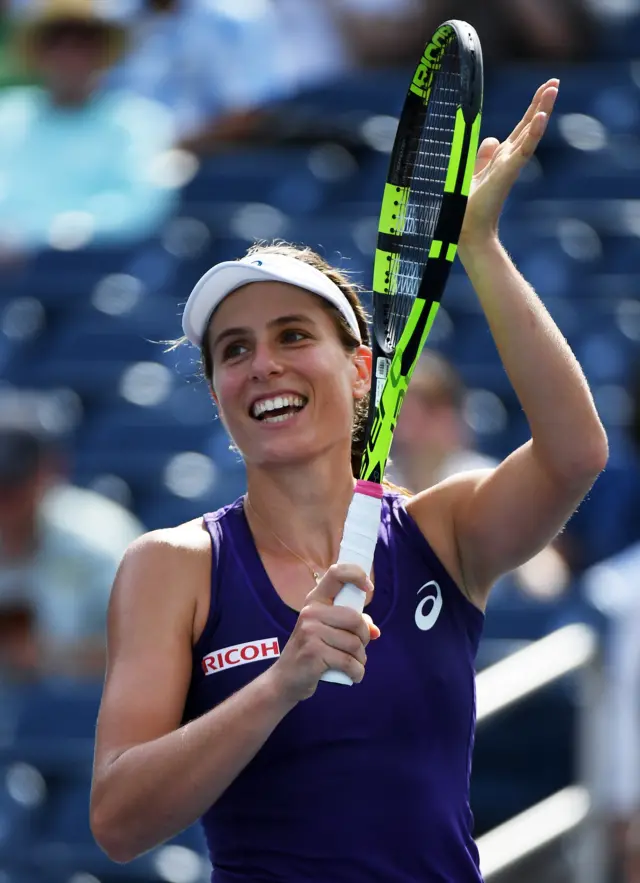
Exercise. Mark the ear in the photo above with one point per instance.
(362, 360)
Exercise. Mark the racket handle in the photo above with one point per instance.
(357, 547)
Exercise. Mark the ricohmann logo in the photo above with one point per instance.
(240, 654)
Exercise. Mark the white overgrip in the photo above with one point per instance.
(358, 546)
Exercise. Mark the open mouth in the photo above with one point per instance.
(277, 409)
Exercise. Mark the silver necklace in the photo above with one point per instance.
(316, 574)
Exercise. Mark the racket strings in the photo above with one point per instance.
(430, 160)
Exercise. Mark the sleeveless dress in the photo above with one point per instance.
(361, 784)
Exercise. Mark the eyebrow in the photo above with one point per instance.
(274, 323)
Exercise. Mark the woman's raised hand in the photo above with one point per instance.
(499, 164)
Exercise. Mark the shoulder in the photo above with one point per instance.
(163, 580)
(169, 545)
(158, 561)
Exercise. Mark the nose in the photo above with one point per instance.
(264, 363)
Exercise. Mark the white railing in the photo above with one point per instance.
(570, 650)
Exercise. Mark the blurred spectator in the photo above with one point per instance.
(55, 577)
(323, 40)
(94, 518)
(330, 38)
(612, 587)
(77, 163)
(215, 65)
(433, 441)
(523, 30)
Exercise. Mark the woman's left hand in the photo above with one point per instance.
(498, 166)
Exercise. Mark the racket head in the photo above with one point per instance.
(423, 206)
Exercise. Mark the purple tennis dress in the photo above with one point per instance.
(361, 784)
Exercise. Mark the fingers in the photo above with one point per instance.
(548, 100)
(336, 636)
(346, 642)
(486, 152)
(534, 107)
(340, 619)
(335, 578)
(374, 631)
(337, 660)
(530, 137)
(524, 139)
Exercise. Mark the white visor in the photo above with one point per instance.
(226, 277)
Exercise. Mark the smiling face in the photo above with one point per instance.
(285, 384)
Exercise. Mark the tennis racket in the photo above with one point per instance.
(423, 206)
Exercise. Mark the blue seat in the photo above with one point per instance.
(580, 174)
(619, 36)
(53, 727)
(622, 255)
(68, 815)
(374, 91)
(134, 449)
(58, 709)
(250, 176)
(605, 355)
(20, 821)
(69, 276)
(153, 264)
(95, 336)
(159, 508)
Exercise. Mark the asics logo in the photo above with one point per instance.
(431, 603)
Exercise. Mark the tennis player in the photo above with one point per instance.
(220, 629)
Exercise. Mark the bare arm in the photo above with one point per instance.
(512, 512)
(503, 517)
(152, 777)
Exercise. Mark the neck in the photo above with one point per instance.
(306, 509)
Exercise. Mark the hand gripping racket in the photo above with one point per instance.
(421, 217)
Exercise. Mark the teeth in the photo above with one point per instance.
(276, 403)
(278, 418)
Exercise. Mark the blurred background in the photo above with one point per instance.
(141, 141)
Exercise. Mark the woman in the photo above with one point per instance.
(219, 630)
